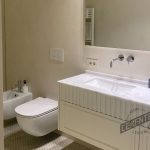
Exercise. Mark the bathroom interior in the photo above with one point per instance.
(76, 74)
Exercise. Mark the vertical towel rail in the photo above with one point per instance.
(89, 26)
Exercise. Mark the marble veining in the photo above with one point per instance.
(124, 88)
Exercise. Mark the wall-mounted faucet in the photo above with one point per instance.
(130, 59)
(120, 58)
(19, 86)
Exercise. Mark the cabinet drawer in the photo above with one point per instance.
(92, 128)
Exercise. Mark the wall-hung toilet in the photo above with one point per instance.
(38, 117)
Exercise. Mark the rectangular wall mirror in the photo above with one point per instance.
(118, 24)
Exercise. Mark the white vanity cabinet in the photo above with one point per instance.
(92, 127)
(95, 118)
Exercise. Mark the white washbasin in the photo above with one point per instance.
(101, 84)
(122, 87)
(111, 86)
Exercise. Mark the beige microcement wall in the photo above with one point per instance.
(1, 81)
(3, 43)
(122, 23)
(33, 27)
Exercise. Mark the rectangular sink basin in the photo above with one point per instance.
(111, 86)
(100, 84)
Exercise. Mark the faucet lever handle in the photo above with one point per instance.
(130, 59)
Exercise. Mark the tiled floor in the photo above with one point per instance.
(16, 139)
(23, 141)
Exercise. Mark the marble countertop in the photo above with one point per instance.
(122, 87)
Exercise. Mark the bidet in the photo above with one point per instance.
(12, 99)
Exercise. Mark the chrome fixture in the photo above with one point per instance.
(19, 86)
(130, 59)
(120, 58)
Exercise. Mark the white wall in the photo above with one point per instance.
(32, 28)
(1, 82)
(139, 69)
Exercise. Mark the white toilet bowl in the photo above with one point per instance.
(38, 117)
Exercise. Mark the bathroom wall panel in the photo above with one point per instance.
(139, 69)
(32, 28)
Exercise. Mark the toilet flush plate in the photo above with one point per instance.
(57, 54)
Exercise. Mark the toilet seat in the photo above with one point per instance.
(37, 107)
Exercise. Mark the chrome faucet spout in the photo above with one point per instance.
(111, 63)
(120, 58)
(19, 86)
